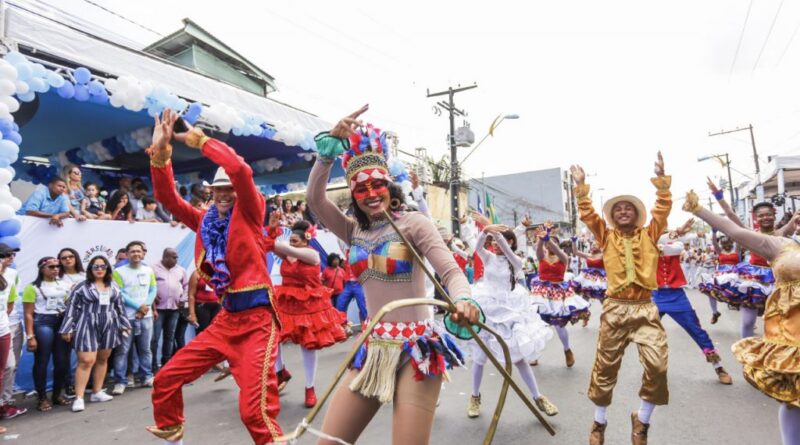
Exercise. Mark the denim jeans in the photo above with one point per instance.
(164, 327)
(140, 337)
(49, 343)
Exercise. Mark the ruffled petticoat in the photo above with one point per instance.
(591, 283)
(772, 363)
(756, 283)
(558, 304)
(510, 314)
(429, 348)
(308, 318)
(723, 286)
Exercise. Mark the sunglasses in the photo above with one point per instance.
(66, 257)
(53, 266)
(99, 267)
(7, 255)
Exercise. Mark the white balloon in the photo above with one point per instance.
(22, 86)
(5, 176)
(10, 102)
(7, 71)
(111, 85)
(117, 100)
(16, 204)
(5, 196)
(6, 212)
(7, 87)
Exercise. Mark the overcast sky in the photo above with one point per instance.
(604, 84)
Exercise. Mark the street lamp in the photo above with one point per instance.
(727, 164)
(496, 123)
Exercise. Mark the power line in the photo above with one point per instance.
(769, 33)
(791, 39)
(741, 37)
(123, 17)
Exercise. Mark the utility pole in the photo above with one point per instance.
(759, 187)
(450, 106)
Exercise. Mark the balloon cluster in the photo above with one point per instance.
(159, 99)
(295, 186)
(266, 165)
(128, 92)
(27, 79)
(307, 156)
(136, 140)
(292, 134)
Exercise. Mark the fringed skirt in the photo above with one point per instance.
(430, 349)
(756, 283)
(558, 304)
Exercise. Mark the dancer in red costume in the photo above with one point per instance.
(304, 305)
(246, 331)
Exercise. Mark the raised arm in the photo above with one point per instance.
(767, 246)
(479, 247)
(328, 213)
(160, 153)
(719, 195)
(304, 254)
(512, 257)
(593, 221)
(660, 211)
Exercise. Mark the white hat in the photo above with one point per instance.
(641, 212)
(221, 179)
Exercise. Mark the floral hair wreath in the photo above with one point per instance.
(311, 232)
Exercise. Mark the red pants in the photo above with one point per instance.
(248, 340)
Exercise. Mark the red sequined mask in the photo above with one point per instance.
(370, 189)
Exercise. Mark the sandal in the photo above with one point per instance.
(44, 405)
(61, 401)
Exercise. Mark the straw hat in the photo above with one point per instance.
(641, 211)
(221, 179)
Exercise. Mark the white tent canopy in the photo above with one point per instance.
(27, 25)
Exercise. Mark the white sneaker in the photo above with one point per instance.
(148, 382)
(118, 390)
(100, 397)
(77, 405)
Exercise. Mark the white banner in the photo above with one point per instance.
(40, 239)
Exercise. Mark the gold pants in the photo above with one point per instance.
(623, 322)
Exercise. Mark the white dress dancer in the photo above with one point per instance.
(508, 310)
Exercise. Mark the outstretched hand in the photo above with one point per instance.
(162, 135)
(578, 175)
(711, 186)
(686, 227)
(659, 166)
(348, 125)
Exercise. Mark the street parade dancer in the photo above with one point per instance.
(407, 356)
(671, 299)
(756, 281)
(555, 298)
(723, 285)
(303, 304)
(508, 310)
(246, 331)
(772, 362)
(591, 282)
(630, 255)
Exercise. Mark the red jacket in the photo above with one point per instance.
(333, 277)
(248, 264)
(670, 273)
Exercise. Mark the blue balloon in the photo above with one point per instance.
(96, 88)
(38, 85)
(4, 163)
(82, 75)
(10, 227)
(101, 98)
(55, 80)
(67, 91)
(6, 126)
(13, 136)
(24, 71)
(81, 93)
(15, 57)
(11, 241)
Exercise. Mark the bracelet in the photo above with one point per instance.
(719, 195)
(196, 138)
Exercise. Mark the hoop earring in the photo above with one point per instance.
(394, 204)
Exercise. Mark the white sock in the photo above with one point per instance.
(713, 303)
(310, 365)
(600, 414)
(477, 376)
(173, 442)
(526, 373)
(749, 317)
(717, 365)
(645, 411)
(279, 359)
(563, 335)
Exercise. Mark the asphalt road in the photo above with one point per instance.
(701, 411)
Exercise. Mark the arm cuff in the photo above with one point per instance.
(581, 191)
(662, 183)
(196, 138)
(330, 147)
(158, 163)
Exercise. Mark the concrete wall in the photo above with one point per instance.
(540, 194)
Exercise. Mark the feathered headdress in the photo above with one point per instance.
(367, 156)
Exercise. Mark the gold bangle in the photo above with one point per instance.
(196, 138)
(158, 163)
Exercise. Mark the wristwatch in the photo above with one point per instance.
(29, 337)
